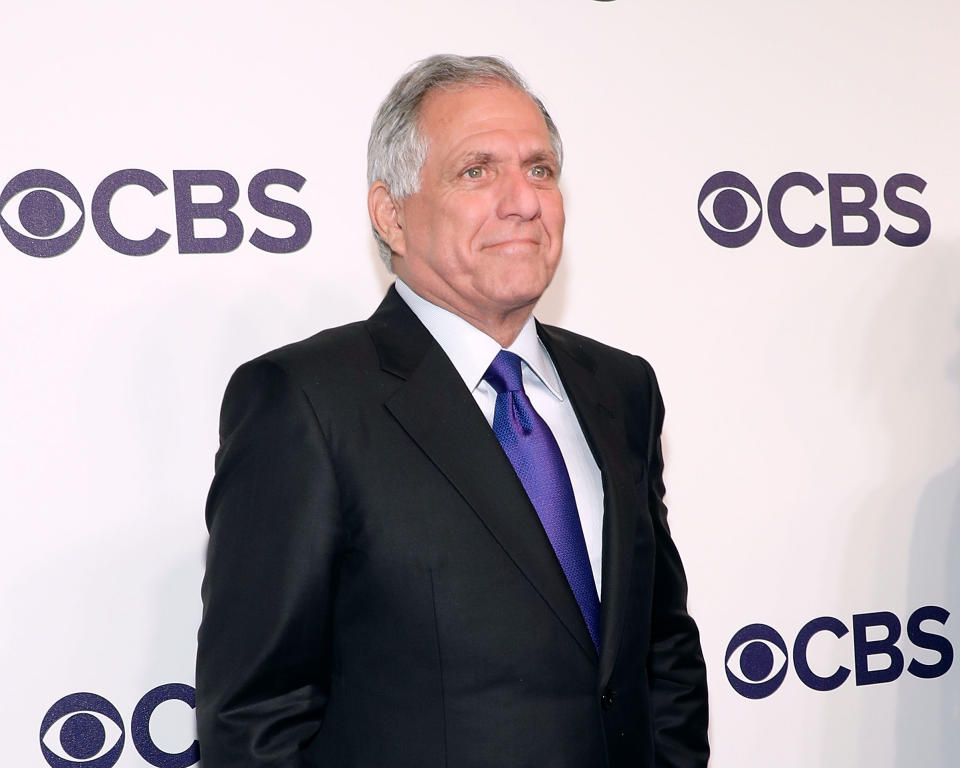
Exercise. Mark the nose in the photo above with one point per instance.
(518, 197)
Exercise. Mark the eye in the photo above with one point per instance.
(476, 172)
(41, 213)
(756, 661)
(729, 209)
(541, 172)
(82, 730)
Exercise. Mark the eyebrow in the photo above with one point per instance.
(484, 158)
(541, 156)
(477, 158)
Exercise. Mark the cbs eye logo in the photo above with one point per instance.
(733, 203)
(757, 658)
(42, 214)
(730, 209)
(39, 197)
(756, 661)
(84, 730)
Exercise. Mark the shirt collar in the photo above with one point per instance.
(471, 350)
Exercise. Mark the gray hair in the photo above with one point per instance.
(397, 148)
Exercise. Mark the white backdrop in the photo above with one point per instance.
(812, 394)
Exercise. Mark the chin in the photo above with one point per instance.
(520, 293)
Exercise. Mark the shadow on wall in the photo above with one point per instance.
(907, 528)
(903, 545)
(935, 569)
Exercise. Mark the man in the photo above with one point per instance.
(391, 582)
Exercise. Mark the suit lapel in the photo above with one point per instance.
(602, 426)
(439, 414)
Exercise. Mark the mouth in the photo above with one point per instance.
(516, 244)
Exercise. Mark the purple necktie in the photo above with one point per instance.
(536, 458)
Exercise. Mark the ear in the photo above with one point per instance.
(386, 217)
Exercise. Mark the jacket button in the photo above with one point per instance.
(606, 700)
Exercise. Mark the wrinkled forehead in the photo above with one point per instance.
(453, 115)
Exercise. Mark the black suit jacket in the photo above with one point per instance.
(380, 592)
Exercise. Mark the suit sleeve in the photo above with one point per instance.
(264, 645)
(677, 675)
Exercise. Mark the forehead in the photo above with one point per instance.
(466, 118)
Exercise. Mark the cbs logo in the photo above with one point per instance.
(731, 209)
(38, 222)
(757, 657)
(84, 730)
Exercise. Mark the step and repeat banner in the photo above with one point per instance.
(762, 199)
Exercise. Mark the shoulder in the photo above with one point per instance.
(346, 346)
(608, 363)
(344, 351)
(331, 367)
(623, 383)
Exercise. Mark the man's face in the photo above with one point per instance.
(483, 235)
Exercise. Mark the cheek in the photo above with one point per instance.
(551, 207)
(447, 213)
(433, 232)
(471, 214)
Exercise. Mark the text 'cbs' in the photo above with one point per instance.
(39, 196)
(757, 657)
(731, 209)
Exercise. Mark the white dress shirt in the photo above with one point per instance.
(471, 351)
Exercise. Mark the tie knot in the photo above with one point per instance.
(504, 373)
